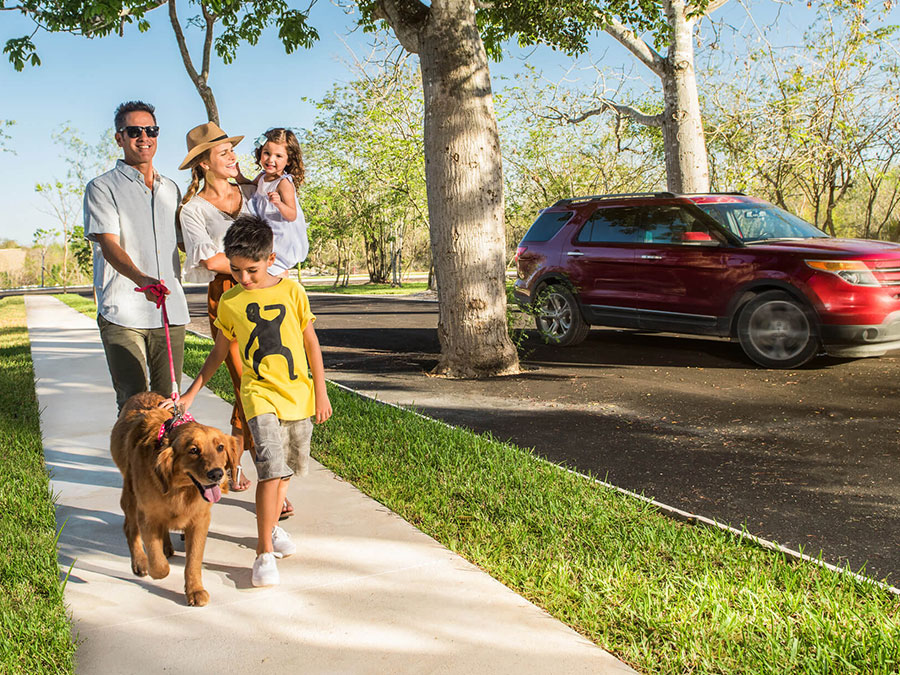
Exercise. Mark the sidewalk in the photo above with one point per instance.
(365, 593)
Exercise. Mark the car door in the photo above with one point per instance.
(681, 271)
(600, 263)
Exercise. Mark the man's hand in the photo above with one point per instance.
(149, 294)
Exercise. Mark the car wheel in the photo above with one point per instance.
(777, 331)
(558, 318)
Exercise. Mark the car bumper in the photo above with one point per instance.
(521, 294)
(862, 340)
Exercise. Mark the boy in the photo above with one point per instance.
(267, 316)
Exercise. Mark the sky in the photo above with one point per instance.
(81, 81)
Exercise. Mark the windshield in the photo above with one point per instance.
(761, 222)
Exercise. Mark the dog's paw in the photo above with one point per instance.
(139, 567)
(197, 598)
(160, 570)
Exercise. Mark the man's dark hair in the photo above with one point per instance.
(249, 237)
(129, 107)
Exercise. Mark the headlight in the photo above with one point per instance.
(854, 272)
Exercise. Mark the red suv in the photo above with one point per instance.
(711, 264)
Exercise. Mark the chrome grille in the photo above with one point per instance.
(886, 271)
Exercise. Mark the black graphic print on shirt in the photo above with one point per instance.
(268, 333)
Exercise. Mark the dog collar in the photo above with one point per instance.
(171, 423)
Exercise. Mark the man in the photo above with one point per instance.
(129, 215)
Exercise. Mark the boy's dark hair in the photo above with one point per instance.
(249, 237)
(129, 107)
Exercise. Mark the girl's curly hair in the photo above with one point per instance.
(287, 138)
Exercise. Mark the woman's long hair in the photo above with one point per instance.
(198, 173)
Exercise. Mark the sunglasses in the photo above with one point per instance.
(135, 132)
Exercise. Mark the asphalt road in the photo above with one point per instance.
(809, 458)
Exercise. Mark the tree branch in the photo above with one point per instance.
(606, 106)
(406, 17)
(713, 6)
(643, 51)
(182, 46)
(210, 19)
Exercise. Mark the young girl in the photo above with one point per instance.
(275, 200)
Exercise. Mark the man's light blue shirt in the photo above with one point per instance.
(119, 202)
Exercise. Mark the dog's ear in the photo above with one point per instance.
(233, 450)
(165, 466)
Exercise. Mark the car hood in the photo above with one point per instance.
(840, 247)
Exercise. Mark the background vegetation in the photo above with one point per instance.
(813, 126)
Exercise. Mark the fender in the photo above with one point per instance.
(746, 291)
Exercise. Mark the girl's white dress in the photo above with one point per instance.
(291, 244)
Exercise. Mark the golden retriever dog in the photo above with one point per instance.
(169, 482)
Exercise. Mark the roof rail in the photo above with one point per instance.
(733, 192)
(574, 200)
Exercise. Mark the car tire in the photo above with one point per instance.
(777, 331)
(557, 317)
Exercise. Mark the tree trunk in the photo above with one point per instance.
(687, 169)
(464, 183)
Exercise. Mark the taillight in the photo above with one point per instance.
(519, 251)
(854, 272)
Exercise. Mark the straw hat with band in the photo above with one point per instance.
(202, 138)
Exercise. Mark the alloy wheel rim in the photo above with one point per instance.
(555, 316)
(779, 330)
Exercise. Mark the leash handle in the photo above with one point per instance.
(160, 291)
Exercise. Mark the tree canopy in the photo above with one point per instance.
(241, 21)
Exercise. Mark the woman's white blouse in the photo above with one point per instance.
(203, 227)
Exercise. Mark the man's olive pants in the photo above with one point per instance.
(131, 352)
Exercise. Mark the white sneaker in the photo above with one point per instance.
(281, 542)
(265, 572)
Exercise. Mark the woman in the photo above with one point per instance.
(206, 214)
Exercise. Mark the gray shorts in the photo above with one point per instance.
(282, 446)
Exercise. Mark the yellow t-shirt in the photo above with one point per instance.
(268, 325)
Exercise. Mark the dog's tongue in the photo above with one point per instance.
(212, 494)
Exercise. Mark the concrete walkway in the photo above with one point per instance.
(365, 593)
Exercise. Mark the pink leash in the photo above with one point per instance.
(159, 290)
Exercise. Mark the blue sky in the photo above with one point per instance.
(82, 81)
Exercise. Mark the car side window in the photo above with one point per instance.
(547, 225)
(674, 225)
(609, 225)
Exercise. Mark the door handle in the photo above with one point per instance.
(574, 253)
(651, 257)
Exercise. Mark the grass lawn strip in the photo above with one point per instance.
(663, 595)
(35, 634)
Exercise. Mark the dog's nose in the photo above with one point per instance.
(215, 475)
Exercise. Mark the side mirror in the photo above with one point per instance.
(696, 236)
(698, 239)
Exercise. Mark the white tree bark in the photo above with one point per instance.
(464, 181)
(687, 168)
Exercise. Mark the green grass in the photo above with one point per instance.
(34, 630)
(662, 595)
(407, 288)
